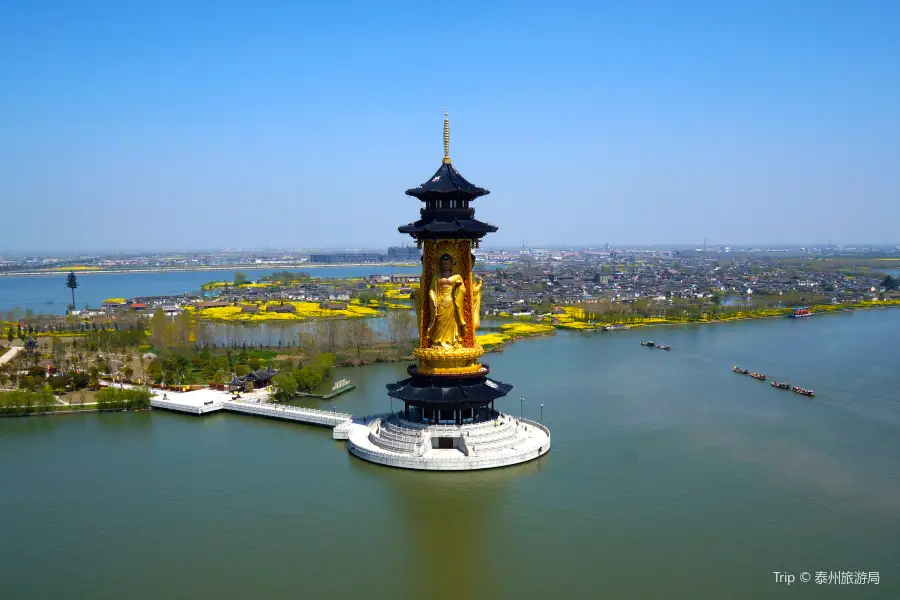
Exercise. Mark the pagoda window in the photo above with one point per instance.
(445, 204)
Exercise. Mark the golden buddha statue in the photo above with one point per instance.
(446, 292)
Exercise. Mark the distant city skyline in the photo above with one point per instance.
(484, 249)
(142, 127)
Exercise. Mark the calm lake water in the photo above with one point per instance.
(670, 477)
(48, 294)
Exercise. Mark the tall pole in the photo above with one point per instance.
(521, 407)
(542, 414)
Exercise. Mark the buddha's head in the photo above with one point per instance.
(446, 262)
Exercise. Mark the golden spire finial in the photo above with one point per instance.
(446, 137)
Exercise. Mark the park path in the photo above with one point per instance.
(10, 354)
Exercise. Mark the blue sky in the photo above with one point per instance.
(178, 125)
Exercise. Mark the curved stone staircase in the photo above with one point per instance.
(497, 435)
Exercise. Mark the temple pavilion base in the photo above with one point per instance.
(489, 440)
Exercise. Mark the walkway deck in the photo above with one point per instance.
(201, 402)
(10, 354)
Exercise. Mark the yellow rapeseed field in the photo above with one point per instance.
(304, 311)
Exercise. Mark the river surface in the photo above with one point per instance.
(48, 294)
(670, 477)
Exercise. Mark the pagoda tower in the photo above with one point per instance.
(448, 384)
(448, 420)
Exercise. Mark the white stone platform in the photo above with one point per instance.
(204, 401)
(395, 442)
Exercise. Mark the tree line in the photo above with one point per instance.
(112, 398)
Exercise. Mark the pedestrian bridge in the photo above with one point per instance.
(203, 402)
(312, 416)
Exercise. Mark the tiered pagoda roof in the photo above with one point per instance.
(447, 183)
(446, 196)
(448, 391)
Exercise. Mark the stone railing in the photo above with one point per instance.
(472, 462)
(188, 407)
(539, 426)
(312, 416)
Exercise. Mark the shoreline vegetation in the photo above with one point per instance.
(592, 318)
(67, 354)
(168, 354)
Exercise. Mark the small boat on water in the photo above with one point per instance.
(649, 344)
(759, 376)
(737, 369)
(661, 347)
(802, 391)
(781, 385)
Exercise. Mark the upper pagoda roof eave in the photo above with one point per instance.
(447, 183)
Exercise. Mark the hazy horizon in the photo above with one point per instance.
(292, 126)
(712, 247)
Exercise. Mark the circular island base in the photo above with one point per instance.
(501, 441)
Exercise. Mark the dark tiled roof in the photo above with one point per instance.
(447, 183)
(454, 226)
(448, 391)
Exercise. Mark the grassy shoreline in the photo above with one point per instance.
(574, 324)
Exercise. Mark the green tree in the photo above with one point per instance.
(240, 278)
(10, 334)
(46, 399)
(890, 283)
(285, 386)
(309, 378)
(359, 334)
(58, 351)
(241, 369)
(185, 328)
(72, 283)
(162, 330)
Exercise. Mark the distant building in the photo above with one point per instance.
(405, 278)
(396, 253)
(344, 258)
(281, 308)
(333, 305)
(212, 304)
